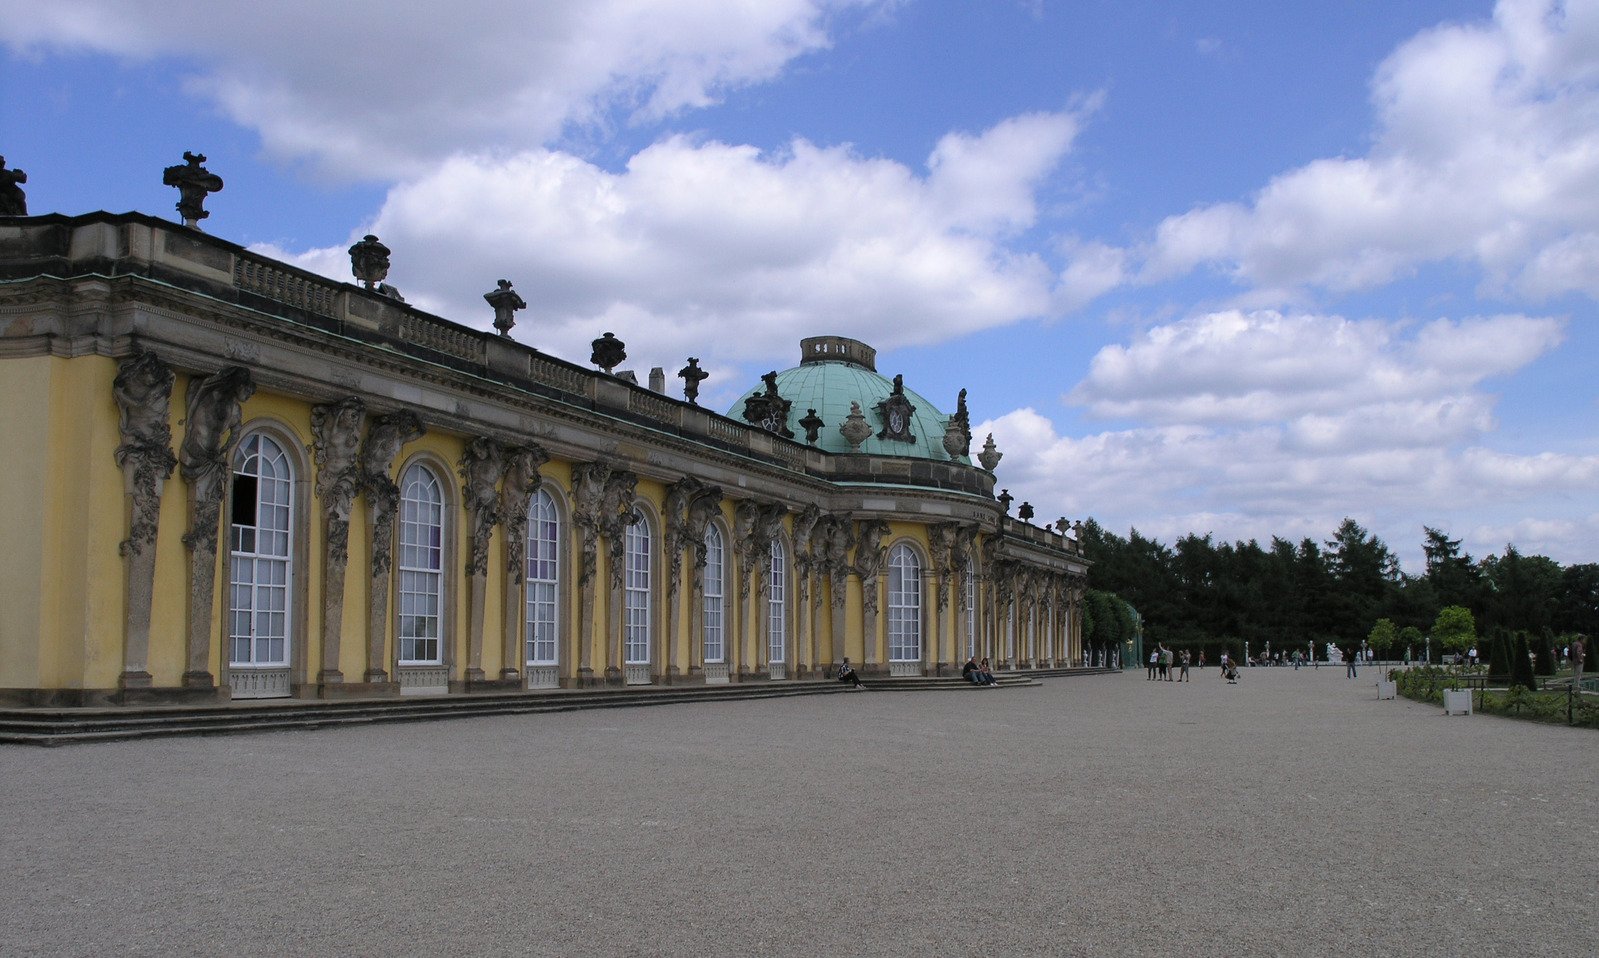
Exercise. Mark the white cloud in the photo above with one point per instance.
(373, 90)
(1485, 152)
(701, 244)
(1327, 375)
(1255, 482)
(1260, 424)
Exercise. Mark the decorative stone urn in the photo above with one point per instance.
(855, 429)
(954, 439)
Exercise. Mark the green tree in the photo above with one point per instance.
(1499, 651)
(1382, 637)
(1521, 664)
(1455, 629)
(1455, 580)
(1578, 606)
(1365, 576)
(1523, 591)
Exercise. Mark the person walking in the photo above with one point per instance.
(1349, 659)
(1184, 660)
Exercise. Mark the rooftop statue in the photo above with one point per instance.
(692, 375)
(369, 261)
(505, 302)
(608, 353)
(13, 202)
(194, 182)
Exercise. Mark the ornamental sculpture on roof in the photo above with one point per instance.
(895, 414)
(769, 410)
(194, 182)
(608, 352)
(505, 301)
(369, 261)
(692, 375)
(13, 202)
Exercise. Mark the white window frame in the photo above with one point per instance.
(904, 604)
(260, 613)
(637, 601)
(714, 612)
(541, 620)
(420, 567)
(971, 608)
(777, 605)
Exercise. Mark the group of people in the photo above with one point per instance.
(1168, 666)
(977, 674)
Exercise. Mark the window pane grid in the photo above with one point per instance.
(421, 592)
(904, 605)
(714, 649)
(971, 608)
(636, 621)
(259, 555)
(777, 605)
(543, 541)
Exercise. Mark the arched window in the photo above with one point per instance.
(777, 605)
(421, 567)
(904, 605)
(259, 550)
(715, 649)
(543, 579)
(971, 607)
(636, 642)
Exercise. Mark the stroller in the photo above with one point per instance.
(1231, 672)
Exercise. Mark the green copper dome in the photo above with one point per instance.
(835, 372)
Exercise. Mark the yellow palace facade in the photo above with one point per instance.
(230, 478)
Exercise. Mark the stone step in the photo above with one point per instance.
(60, 726)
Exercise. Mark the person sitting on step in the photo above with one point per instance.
(846, 673)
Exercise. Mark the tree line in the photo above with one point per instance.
(1203, 594)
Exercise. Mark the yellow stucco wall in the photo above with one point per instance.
(25, 436)
(62, 621)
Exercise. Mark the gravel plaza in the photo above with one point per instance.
(1291, 814)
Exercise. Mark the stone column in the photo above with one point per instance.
(588, 490)
(335, 441)
(689, 506)
(603, 497)
(143, 390)
(212, 422)
(616, 605)
(521, 482)
(383, 442)
(868, 566)
(705, 504)
(619, 513)
(482, 464)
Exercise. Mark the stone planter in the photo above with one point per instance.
(1457, 701)
(1387, 690)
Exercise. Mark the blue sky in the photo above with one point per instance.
(1242, 267)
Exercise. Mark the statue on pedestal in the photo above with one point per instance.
(505, 302)
(13, 202)
(194, 182)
